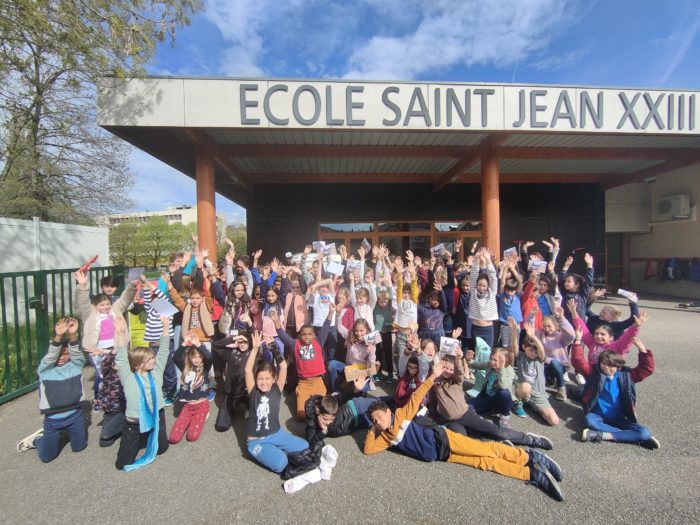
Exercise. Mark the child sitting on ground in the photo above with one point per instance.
(268, 443)
(576, 288)
(496, 394)
(419, 439)
(530, 384)
(60, 394)
(609, 316)
(556, 336)
(141, 374)
(408, 383)
(194, 361)
(610, 395)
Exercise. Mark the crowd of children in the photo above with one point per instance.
(327, 333)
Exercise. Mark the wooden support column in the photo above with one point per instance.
(490, 203)
(206, 206)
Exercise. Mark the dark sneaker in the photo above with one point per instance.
(541, 478)
(540, 441)
(543, 459)
(591, 435)
(168, 400)
(389, 380)
(518, 409)
(377, 378)
(211, 395)
(652, 443)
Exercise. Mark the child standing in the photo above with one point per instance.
(141, 373)
(60, 394)
(483, 310)
(194, 361)
(383, 317)
(233, 352)
(406, 309)
(509, 301)
(431, 314)
(268, 443)
(610, 395)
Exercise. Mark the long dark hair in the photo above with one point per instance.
(232, 303)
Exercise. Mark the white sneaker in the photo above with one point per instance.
(580, 380)
(28, 442)
(566, 377)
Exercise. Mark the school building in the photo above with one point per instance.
(611, 171)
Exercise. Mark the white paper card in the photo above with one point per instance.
(135, 273)
(335, 268)
(353, 265)
(164, 307)
(448, 346)
(630, 296)
(510, 252)
(373, 338)
(329, 249)
(318, 245)
(537, 266)
(437, 250)
(366, 245)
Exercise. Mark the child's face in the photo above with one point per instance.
(296, 289)
(149, 364)
(238, 291)
(465, 286)
(509, 293)
(63, 357)
(382, 302)
(361, 300)
(434, 302)
(306, 336)
(360, 332)
(570, 284)
(601, 336)
(381, 419)
(264, 381)
(196, 360)
(608, 315)
(109, 290)
(448, 370)
(543, 286)
(482, 286)
(323, 290)
(530, 351)
(271, 297)
(104, 306)
(497, 361)
(548, 327)
(243, 345)
(429, 350)
(412, 369)
(325, 419)
(339, 280)
(196, 300)
(607, 369)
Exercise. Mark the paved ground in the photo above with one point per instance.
(213, 481)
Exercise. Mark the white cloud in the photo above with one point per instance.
(468, 33)
(560, 61)
(678, 44)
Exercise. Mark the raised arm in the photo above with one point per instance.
(250, 363)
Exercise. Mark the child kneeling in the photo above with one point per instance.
(141, 374)
(60, 394)
(427, 442)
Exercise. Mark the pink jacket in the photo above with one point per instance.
(620, 346)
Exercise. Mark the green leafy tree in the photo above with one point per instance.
(122, 243)
(56, 162)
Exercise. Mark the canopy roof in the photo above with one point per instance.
(351, 132)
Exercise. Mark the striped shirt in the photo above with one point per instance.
(484, 308)
(154, 328)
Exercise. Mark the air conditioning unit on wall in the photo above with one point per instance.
(671, 208)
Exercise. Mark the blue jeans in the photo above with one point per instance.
(623, 430)
(48, 445)
(485, 332)
(555, 370)
(500, 403)
(271, 451)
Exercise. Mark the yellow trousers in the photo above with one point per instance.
(488, 455)
(310, 386)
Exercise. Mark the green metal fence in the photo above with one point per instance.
(30, 305)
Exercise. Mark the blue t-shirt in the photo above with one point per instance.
(608, 404)
(543, 304)
(509, 307)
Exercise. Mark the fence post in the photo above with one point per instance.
(37, 243)
(41, 313)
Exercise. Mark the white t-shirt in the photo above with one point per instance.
(321, 305)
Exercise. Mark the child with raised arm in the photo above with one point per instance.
(141, 373)
(423, 440)
(383, 317)
(556, 335)
(602, 338)
(576, 288)
(509, 300)
(193, 359)
(406, 319)
(609, 316)
(99, 316)
(448, 406)
(360, 352)
(60, 394)
(530, 382)
(233, 351)
(431, 314)
(306, 355)
(321, 298)
(610, 395)
(483, 308)
(496, 393)
(268, 443)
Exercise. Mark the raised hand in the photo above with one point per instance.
(81, 277)
(527, 245)
(165, 321)
(642, 318)
(571, 305)
(512, 323)
(73, 326)
(195, 340)
(257, 339)
(438, 369)
(578, 331)
(588, 259)
(229, 258)
(61, 327)
(529, 328)
(456, 332)
(636, 341)
(409, 255)
(458, 246)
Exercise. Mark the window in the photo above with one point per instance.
(354, 227)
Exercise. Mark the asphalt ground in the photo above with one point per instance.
(213, 481)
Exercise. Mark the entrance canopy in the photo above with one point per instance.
(238, 134)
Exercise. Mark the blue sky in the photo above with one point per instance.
(651, 43)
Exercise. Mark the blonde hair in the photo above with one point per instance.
(188, 364)
(362, 292)
(343, 292)
(138, 356)
(614, 311)
(499, 350)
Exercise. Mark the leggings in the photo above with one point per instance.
(96, 361)
(473, 421)
(191, 419)
(133, 440)
(496, 457)
(271, 451)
